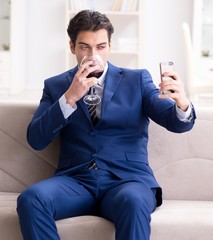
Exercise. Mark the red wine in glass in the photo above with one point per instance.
(92, 98)
(95, 74)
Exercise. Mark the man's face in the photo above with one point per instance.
(91, 43)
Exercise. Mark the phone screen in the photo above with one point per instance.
(166, 67)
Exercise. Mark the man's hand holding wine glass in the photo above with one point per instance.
(90, 68)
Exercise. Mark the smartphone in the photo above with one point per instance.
(166, 67)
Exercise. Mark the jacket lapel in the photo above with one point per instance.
(113, 79)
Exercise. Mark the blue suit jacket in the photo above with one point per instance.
(118, 142)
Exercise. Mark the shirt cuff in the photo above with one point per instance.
(184, 116)
(66, 109)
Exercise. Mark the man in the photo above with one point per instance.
(103, 168)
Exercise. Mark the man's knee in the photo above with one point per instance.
(31, 199)
(135, 198)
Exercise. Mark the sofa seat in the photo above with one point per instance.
(94, 228)
(69, 229)
(8, 217)
(175, 219)
(185, 220)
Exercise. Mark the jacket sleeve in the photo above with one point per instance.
(162, 111)
(47, 121)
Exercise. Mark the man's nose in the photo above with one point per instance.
(93, 52)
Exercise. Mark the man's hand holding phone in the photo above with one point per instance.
(171, 85)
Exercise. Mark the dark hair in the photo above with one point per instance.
(88, 20)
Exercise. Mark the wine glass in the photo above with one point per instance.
(92, 98)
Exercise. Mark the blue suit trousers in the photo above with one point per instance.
(127, 203)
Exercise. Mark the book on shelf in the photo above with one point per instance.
(134, 5)
(125, 5)
(77, 5)
(118, 5)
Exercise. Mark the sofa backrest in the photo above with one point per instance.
(20, 165)
(182, 163)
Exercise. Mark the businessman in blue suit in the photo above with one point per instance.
(103, 168)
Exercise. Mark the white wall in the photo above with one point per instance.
(162, 34)
(18, 45)
(46, 36)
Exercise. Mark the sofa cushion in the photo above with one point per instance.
(9, 225)
(185, 220)
(86, 228)
(20, 165)
(77, 228)
(183, 163)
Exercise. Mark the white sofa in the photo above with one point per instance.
(183, 165)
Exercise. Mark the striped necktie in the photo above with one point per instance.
(92, 113)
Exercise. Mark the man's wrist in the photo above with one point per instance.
(69, 100)
(184, 116)
(66, 108)
(184, 106)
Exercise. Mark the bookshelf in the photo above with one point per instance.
(202, 38)
(4, 46)
(13, 47)
(126, 41)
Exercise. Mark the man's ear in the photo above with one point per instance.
(110, 45)
(72, 47)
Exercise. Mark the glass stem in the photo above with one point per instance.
(92, 90)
